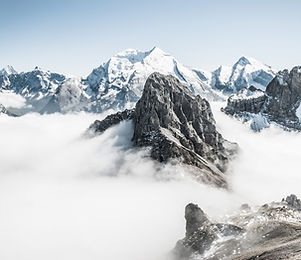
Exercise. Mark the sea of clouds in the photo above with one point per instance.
(63, 196)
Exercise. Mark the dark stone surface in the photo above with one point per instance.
(195, 218)
(177, 126)
(236, 106)
(99, 127)
(284, 97)
(175, 123)
(293, 202)
(201, 233)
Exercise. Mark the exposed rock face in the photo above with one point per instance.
(247, 100)
(3, 110)
(270, 232)
(279, 104)
(201, 233)
(284, 97)
(177, 125)
(293, 202)
(99, 127)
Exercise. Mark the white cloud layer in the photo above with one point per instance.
(64, 197)
(10, 99)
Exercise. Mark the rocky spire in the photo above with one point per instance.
(178, 126)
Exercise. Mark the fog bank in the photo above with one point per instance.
(66, 197)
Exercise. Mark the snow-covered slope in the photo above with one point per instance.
(244, 73)
(8, 70)
(37, 86)
(119, 82)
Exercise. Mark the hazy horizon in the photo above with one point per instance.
(73, 37)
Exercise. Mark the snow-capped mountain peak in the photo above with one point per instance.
(244, 73)
(119, 82)
(8, 70)
(243, 61)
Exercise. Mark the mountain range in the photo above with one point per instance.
(118, 83)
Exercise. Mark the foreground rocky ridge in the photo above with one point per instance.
(272, 231)
(176, 125)
(280, 103)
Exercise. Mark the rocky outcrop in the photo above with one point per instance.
(284, 98)
(247, 100)
(272, 231)
(177, 126)
(279, 104)
(201, 233)
(3, 110)
(99, 127)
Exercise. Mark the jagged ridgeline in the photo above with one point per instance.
(269, 232)
(118, 83)
(280, 103)
(178, 127)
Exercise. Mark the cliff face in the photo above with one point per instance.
(177, 126)
(284, 97)
(248, 100)
(272, 231)
(280, 103)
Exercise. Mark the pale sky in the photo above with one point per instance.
(73, 37)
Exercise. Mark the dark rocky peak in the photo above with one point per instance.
(272, 231)
(201, 233)
(286, 83)
(99, 127)
(178, 127)
(170, 115)
(195, 218)
(293, 202)
(4, 110)
(284, 94)
(279, 104)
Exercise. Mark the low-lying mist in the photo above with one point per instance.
(66, 197)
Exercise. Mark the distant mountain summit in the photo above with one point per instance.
(36, 86)
(244, 73)
(118, 83)
(8, 70)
